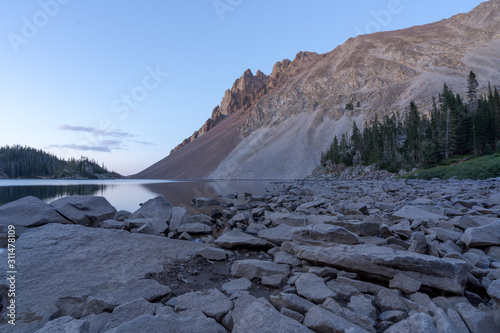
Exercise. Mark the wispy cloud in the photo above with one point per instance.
(144, 143)
(100, 148)
(95, 131)
(100, 140)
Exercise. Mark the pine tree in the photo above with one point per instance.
(472, 86)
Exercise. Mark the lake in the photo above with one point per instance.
(127, 194)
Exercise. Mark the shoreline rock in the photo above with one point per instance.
(315, 256)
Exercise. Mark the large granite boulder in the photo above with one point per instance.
(80, 271)
(84, 210)
(442, 273)
(158, 207)
(25, 213)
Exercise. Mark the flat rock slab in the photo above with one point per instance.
(238, 238)
(324, 233)
(253, 268)
(69, 261)
(488, 235)
(251, 315)
(168, 324)
(442, 273)
(414, 212)
(84, 209)
(277, 235)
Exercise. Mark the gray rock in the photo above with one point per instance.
(251, 315)
(402, 229)
(65, 324)
(443, 273)
(283, 257)
(488, 235)
(359, 228)
(354, 209)
(477, 321)
(111, 224)
(494, 291)
(355, 318)
(294, 220)
(211, 302)
(85, 210)
(129, 311)
(313, 288)
(324, 233)
(212, 253)
(405, 283)
(388, 300)
(364, 287)
(292, 314)
(158, 207)
(24, 213)
(179, 217)
(418, 243)
(389, 187)
(194, 228)
(323, 321)
(237, 285)
(494, 252)
(253, 268)
(274, 281)
(122, 215)
(443, 322)
(204, 202)
(97, 321)
(169, 324)
(393, 316)
(421, 323)
(446, 235)
(458, 321)
(238, 238)
(343, 291)
(99, 267)
(151, 226)
(291, 301)
(277, 235)
(363, 305)
(414, 212)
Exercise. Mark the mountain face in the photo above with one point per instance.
(276, 126)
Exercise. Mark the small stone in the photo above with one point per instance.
(405, 283)
(273, 281)
(237, 285)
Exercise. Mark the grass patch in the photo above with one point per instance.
(478, 168)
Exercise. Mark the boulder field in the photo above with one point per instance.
(315, 256)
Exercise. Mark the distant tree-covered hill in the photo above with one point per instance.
(25, 162)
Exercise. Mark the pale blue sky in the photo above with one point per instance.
(125, 81)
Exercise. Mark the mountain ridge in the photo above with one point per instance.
(382, 72)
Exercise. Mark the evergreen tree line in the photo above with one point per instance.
(25, 162)
(454, 127)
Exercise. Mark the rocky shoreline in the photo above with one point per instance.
(316, 256)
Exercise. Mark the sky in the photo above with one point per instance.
(125, 81)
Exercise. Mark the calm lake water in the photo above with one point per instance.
(127, 194)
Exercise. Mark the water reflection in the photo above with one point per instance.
(129, 194)
(47, 193)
